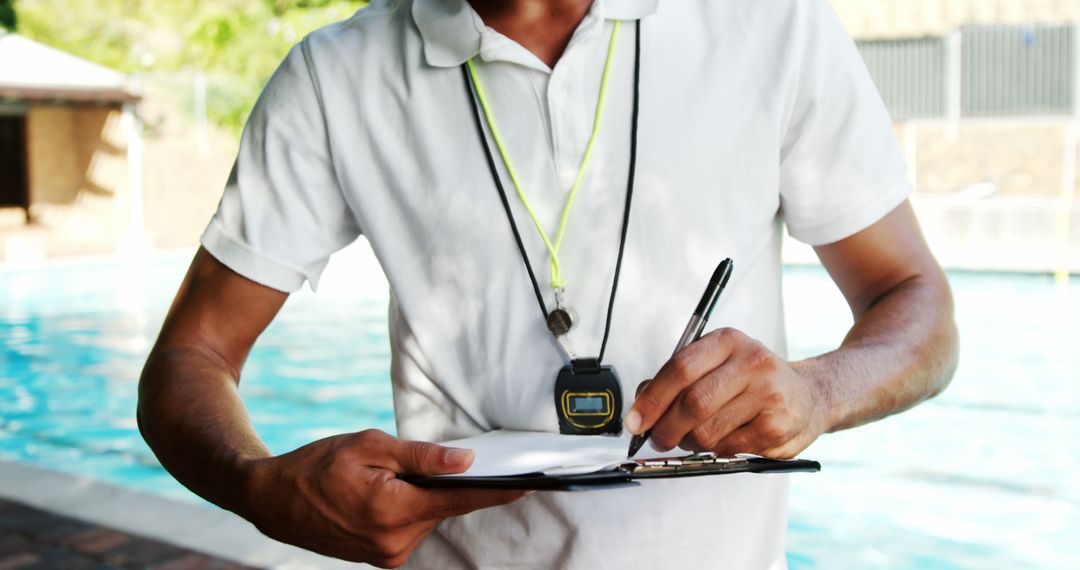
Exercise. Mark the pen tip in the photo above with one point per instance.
(635, 446)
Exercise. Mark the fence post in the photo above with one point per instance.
(1068, 166)
(1065, 201)
(955, 82)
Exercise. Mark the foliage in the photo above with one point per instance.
(7, 15)
(240, 42)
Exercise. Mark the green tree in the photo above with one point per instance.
(237, 43)
(8, 20)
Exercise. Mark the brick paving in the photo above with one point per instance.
(34, 539)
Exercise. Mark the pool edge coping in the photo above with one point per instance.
(200, 528)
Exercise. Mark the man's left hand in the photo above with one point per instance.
(729, 394)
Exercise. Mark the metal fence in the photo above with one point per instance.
(992, 71)
(911, 74)
(1018, 70)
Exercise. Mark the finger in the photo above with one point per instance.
(682, 370)
(641, 387)
(740, 410)
(412, 457)
(790, 448)
(445, 503)
(403, 504)
(759, 436)
(697, 404)
(423, 458)
(739, 441)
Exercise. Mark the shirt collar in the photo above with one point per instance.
(452, 30)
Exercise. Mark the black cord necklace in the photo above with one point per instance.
(588, 395)
(470, 88)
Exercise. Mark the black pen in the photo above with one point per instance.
(694, 328)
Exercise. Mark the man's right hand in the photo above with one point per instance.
(341, 497)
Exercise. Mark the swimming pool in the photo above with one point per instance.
(984, 476)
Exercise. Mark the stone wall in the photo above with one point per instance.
(74, 150)
(55, 174)
(79, 184)
(78, 175)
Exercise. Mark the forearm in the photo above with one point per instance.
(191, 415)
(900, 351)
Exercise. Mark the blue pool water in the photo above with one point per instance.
(983, 477)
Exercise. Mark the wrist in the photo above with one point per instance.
(246, 477)
(819, 379)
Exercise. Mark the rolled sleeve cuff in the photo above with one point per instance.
(249, 263)
(853, 220)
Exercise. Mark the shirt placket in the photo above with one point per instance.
(562, 119)
(569, 110)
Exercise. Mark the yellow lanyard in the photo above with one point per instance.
(557, 282)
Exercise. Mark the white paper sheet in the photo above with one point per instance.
(506, 452)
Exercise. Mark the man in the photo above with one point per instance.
(722, 120)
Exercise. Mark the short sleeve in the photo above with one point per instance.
(283, 212)
(841, 168)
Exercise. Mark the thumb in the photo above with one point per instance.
(423, 458)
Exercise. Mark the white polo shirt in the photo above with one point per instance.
(753, 114)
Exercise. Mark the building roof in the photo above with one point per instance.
(32, 71)
(883, 19)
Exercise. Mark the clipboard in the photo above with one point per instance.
(626, 474)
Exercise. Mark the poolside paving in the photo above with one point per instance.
(32, 539)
